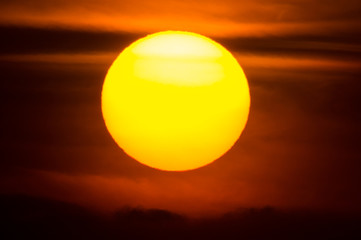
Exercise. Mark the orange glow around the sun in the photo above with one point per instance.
(175, 100)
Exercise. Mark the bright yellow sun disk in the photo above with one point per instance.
(175, 100)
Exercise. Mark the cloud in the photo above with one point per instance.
(107, 45)
(191, 196)
(222, 18)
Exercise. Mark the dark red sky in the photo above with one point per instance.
(300, 148)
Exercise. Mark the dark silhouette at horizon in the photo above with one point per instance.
(40, 218)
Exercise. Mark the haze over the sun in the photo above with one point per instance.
(300, 148)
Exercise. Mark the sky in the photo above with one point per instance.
(299, 150)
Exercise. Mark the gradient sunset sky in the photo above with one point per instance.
(299, 150)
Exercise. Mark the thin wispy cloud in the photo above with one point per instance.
(222, 18)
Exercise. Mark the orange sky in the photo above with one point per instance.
(214, 18)
(299, 149)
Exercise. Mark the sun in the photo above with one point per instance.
(175, 100)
